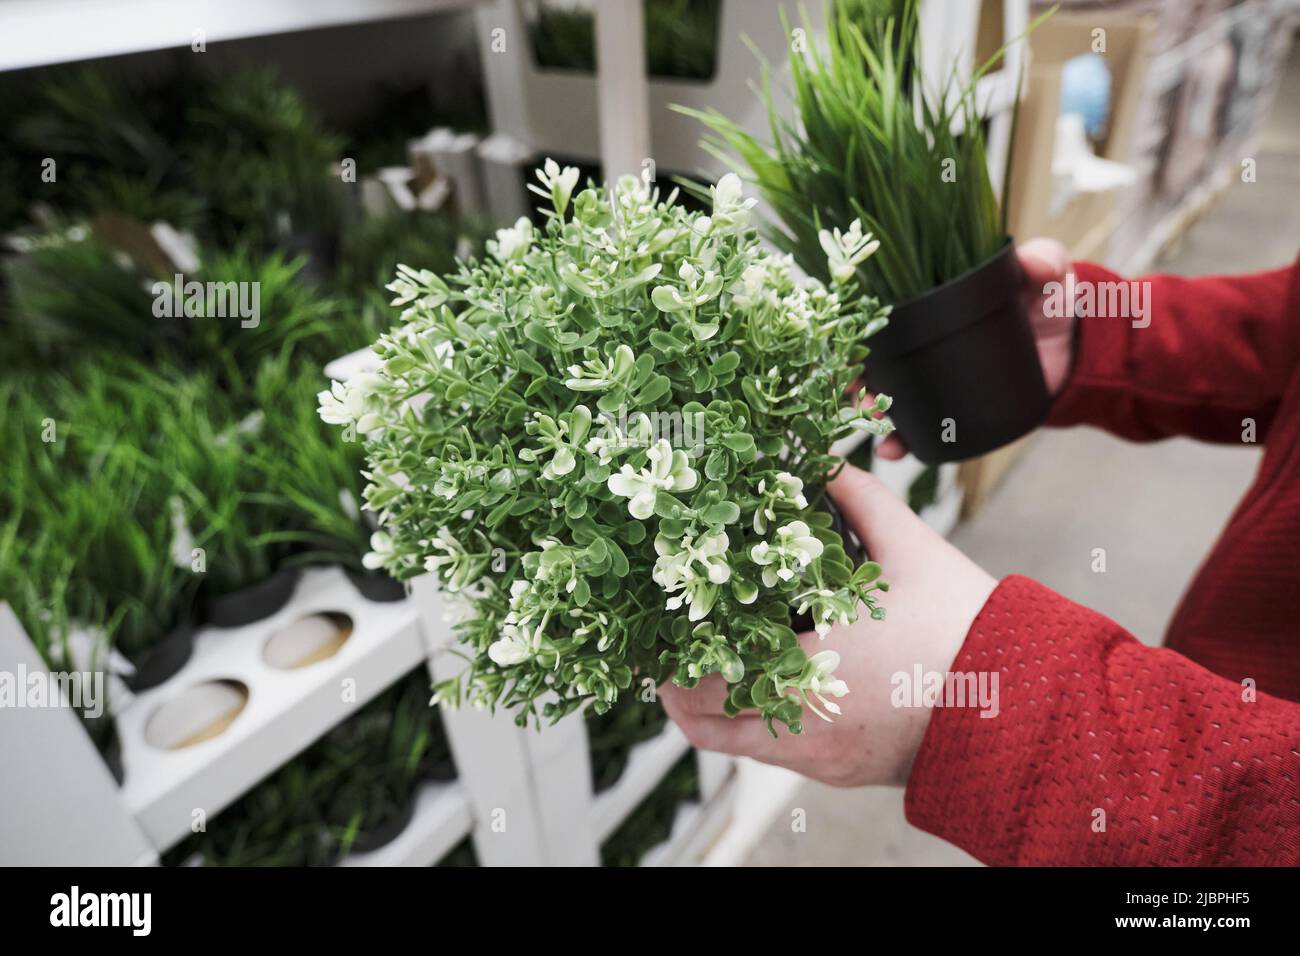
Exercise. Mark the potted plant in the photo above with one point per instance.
(310, 476)
(608, 437)
(83, 497)
(382, 754)
(910, 164)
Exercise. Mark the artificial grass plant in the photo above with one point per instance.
(869, 144)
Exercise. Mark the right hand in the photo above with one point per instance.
(1043, 261)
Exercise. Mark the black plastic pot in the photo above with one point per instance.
(377, 587)
(961, 365)
(388, 831)
(441, 770)
(252, 603)
(164, 659)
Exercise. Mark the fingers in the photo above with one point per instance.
(1043, 260)
(698, 712)
(892, 448)
(875, 513)
(705, 698)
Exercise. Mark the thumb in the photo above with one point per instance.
(1043, 260)
(875, 513)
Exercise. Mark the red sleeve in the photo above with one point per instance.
(1164, 355)
(1185, 771)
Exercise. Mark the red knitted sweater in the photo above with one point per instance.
(1106, 751)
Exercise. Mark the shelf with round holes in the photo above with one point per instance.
(250, 698)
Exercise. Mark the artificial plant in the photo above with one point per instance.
(869, 143)
(608, 437)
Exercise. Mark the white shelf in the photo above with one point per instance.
(646, 767)
(441, 820)
(286, 709)
(696, 828)
(38, 32)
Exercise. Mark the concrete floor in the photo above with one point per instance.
(1156, 509)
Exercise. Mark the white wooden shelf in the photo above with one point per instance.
(40, 32)
(646, 767)
(442, 819)
(699, 824)
(286, 710)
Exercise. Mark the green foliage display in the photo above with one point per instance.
(177, 427)
(869, 145)
(238, 159)
(681, 37)
(70, 294)
(87, 507)
(534, 477)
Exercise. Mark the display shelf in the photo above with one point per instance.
(646, 766)
(40, 32)
(699, 824)
(441, 820)
(285, 710)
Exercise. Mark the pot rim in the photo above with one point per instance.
(213, 611)
(947, 307)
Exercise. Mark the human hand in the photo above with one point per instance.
(935, 593)
(1043, 261)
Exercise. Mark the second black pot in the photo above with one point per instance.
(378, 587)
(164, 659)
(251, 604)
(370, 840)
(961, 365)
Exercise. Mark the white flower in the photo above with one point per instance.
(412, 284)
(558, 184)
(786, 487)
(754, 288)
(381, 551)
(690, 571)
(514, 646)
(793, 549)
(846, 251)
(614, 440)
(828, 608)
(665, 469)
(730, 207)
(452, 564)
(596, 375)
(702, 286)
(354, 402)
(823, 681)
(512, 244)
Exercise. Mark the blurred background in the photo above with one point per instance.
(175, 516)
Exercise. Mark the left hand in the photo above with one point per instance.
(935, 594)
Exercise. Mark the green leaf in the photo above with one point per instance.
(730, 664)
(724, 512)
